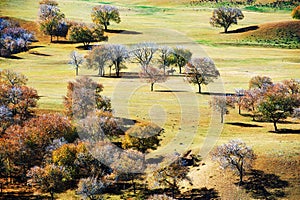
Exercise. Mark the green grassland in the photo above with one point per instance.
(174, 23)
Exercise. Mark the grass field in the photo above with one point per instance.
(174, 23)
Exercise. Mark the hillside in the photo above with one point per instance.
(282, 34)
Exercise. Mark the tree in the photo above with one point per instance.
(221, 105)
(81, 33)
(83, 96)
(51, 18)
(143, 53)
(292, 85)
(260, 82)
(117, 55)
(165, 56)
(13, 38)
(225, 17)
(171, 175)
(76, 60)
(142, 137)
(97, 59)
(129, 165)
(239, 93)
(277, 104)
(16, 96)
(181, 56)
(152, 75)
(235, 155)
(90, 188)
(201, 71)
(50, 178)
(103, 14)
(250, 100)
(296, 12)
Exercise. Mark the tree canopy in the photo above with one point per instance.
(225, 17)
(103, 14)
(201, 71)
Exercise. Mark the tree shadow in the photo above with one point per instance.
(200, 194)
(265, 186)
(14, 57)
(242, 30)
(63, 42)
(22, 196)
(286, 131)
(217, 93)
(170, 91)
(38, 53)
(124, 32)
(35, 46)
(241, 124)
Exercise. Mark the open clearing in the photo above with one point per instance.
(173, 24)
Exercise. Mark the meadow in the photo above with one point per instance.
(186, 117)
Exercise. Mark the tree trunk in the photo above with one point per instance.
(105, 26)
(76, 71)
(225, 29)
(199, 88)
(152, 85)
(240, 110)
(51, 38)
(275, 126)
(179, 69)
(222, 116)
(52, 194)
(241, 177)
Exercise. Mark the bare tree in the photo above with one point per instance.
(235, 155)
(143, 53)
(201, 71)
(76, 60)
(221, 105)
(97, 59)
(152, 75)
(117, 55)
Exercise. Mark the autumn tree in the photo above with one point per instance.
(225, 17)
(142, 136)
(250, 100)
(143, 53)
(97, 59)
(117, 55)
(239, 93)
(201, 71)
(83, 96)
(91, 188)
(292, 85)
(76, 60)
(152, 75)
(16, 99)
(81, 33)
(278, 104)
(235, 155)
(129, 165)
(296, 12)
(51, 18)
(50, 178)
(260, 82)
(181, 56)
(221, 105)
(104, 14)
